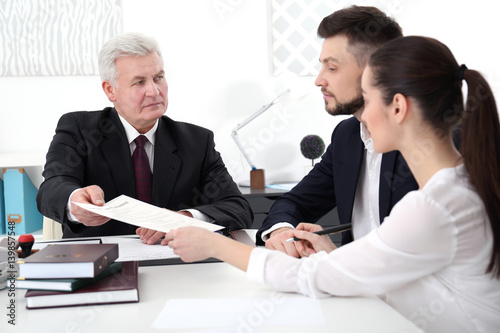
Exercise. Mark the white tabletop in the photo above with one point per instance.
(158, 284)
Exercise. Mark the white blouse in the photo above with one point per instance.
(427, 260)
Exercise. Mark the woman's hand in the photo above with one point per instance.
(311, 243)
(191, 243)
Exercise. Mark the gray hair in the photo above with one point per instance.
(127, 44)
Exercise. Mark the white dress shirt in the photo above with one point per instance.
(365, 210)
(427, 260)
(132, 134)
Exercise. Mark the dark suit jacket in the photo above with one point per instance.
(332, 183)
(91, 148)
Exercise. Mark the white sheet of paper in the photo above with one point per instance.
(141, 214)
(133, 249)
(239, 314)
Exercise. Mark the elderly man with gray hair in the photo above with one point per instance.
(134, 149)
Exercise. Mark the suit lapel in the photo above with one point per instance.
(116, 150)
(167, 166)
(346, 184)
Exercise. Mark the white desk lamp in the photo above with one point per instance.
(256, 175)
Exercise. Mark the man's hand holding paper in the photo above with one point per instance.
(90, 195)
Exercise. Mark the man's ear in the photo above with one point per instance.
(400, 107)
(109, 90)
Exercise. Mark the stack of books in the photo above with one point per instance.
(77, 274)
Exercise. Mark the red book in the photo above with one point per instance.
(62, 261)
(120, 287)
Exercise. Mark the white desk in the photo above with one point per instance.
(157, 284)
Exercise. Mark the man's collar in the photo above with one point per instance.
(365, 137)
(132, 133)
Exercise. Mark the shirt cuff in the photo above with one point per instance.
(199, 215)
(265, 234)
(256, 264)
(70, 216)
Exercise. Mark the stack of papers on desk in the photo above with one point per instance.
(133, 249)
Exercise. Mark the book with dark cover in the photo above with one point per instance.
(65, 284)
(120, 287)
(62, 261)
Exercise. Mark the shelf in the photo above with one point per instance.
(32, 162)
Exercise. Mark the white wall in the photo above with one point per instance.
(218, 71)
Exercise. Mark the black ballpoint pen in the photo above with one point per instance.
(333, 230)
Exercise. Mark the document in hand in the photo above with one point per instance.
(120, 287)
(60, 261)
(141, 214)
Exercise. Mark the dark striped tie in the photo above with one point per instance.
(142, 171)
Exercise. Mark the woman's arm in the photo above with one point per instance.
(194, 244)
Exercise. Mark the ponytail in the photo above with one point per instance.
(481, 153)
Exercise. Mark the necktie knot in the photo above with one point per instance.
(140, 141)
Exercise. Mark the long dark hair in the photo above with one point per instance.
(426, 70)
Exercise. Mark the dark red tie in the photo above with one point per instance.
(142, 171)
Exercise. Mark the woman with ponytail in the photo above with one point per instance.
(436, 257)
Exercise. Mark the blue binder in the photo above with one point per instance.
(20, 202)
(2, 210)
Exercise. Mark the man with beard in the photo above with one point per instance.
(362, 184)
